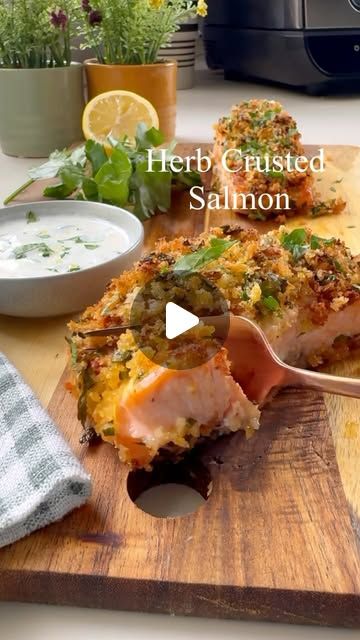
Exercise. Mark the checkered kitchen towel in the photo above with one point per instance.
(40, 478)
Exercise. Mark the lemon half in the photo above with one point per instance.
(117, 113)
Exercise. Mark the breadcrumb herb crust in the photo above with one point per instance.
(269, 278)
(260, 128)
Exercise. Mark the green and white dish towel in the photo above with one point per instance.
(40, 478)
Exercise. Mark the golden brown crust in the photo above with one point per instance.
(273, 279)
(260, 128)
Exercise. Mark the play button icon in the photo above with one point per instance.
(178, 320)
(171, 316)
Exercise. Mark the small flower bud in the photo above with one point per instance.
(95, 18)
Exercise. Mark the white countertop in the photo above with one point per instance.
(330, 120)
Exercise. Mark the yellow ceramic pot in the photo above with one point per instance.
(155, 82)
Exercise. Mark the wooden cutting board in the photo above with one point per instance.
(276, 537)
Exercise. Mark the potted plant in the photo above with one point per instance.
(41, 91)
(182, 48)
(127, 36)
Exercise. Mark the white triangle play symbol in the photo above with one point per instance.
(178, 320)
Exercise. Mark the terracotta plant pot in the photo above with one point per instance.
(155, 82)
(40, 110)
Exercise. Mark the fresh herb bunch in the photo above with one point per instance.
(133, 31)
(121, 179)
(37, 33)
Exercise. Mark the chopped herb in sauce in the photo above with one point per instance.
(41, 247)
(31, 217)
(91, 246)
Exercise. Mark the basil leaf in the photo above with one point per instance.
(96, 155)
(202, 257)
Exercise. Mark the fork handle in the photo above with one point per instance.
(322, 382)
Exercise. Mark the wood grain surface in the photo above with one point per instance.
(276, 537)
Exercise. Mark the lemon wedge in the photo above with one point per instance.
(117, 113)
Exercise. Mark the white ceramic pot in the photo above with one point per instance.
(182, 48)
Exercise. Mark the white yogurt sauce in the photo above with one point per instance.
(51, 244)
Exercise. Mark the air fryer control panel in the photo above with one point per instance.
(331, 14)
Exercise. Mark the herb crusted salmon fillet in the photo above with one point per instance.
(260, 129)
(304, 292)
(259, 160)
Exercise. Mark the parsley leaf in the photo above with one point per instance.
(73, 350)
(298, 244)
(295, 242)
(96, 155)
(23, 250)
(202, 257)
(121, 179)
(271, 303)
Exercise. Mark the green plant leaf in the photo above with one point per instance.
(58, 160)
(51, 168)
(202, 257)
(152, 190)
(270, 303)
(72, 176)
(96, 155)
(113, 178)
(59, 191)
(147, 138)
(90, 189)
(295, 242)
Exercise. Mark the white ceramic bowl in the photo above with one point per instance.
(63, 293)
